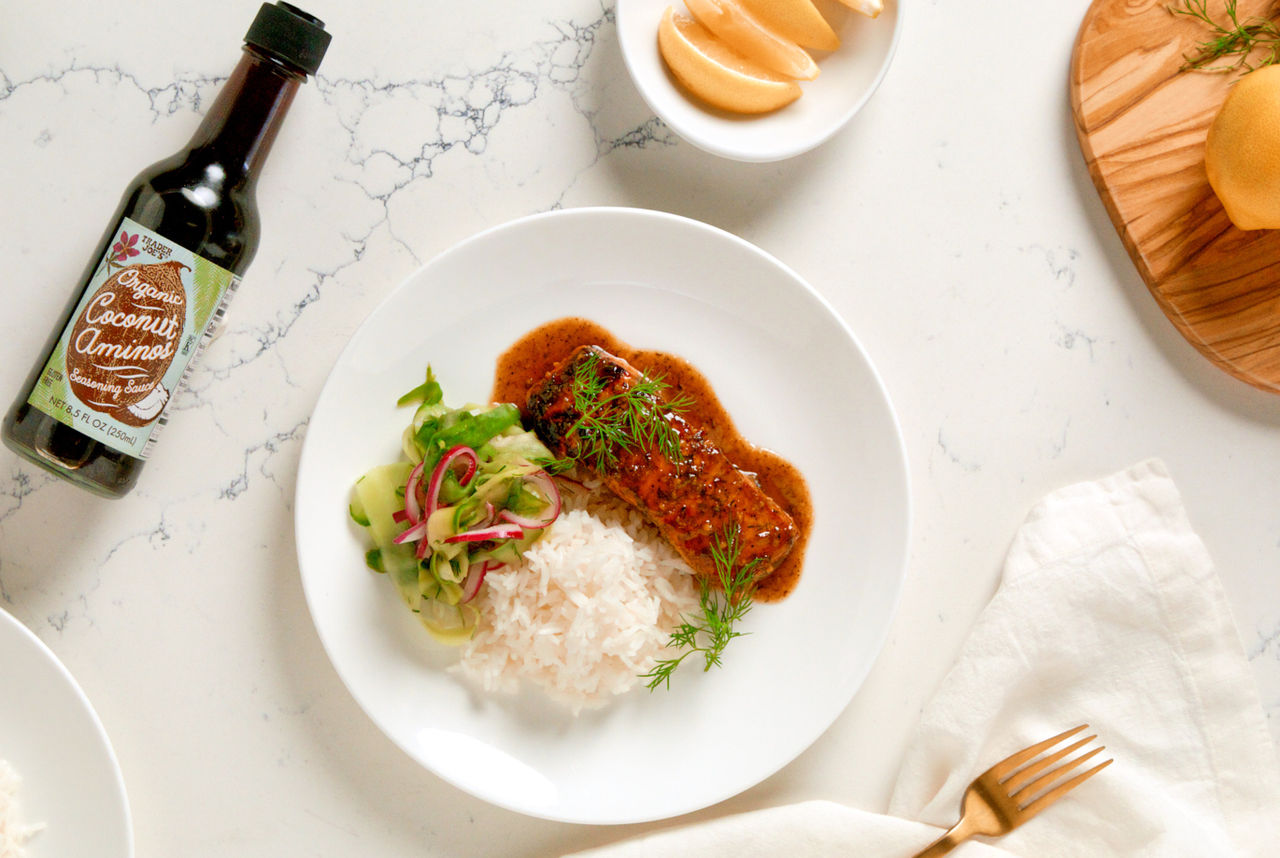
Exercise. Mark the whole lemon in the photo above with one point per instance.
(1242, 152)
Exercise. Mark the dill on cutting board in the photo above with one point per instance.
(1234, 45)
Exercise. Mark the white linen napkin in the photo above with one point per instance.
(1109, 612)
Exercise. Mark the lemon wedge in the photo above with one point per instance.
(870, 8)
(746, 34)
(716, 73)
(798, 20)
(1242, 151)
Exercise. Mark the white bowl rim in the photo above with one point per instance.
(755, 155)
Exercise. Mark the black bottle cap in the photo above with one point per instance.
(289, 34)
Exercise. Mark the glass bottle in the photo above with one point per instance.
(152, 294)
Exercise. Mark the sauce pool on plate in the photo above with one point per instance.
(535, 354)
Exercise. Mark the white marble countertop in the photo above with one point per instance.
(953, 225)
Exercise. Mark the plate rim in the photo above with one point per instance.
(754, 155)
(63, 674)
(901, 467)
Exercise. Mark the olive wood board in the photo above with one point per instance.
(1142, 122)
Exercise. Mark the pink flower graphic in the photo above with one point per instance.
(124, 247)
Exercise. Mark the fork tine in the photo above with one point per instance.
(1060, 790)
(1016, 780)
(1011, 763)
(1046, 779)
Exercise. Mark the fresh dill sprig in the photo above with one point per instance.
(630, 418)
(1236, 38)
(713, 627)
(557, 467)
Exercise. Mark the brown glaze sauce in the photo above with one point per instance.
(531, 357)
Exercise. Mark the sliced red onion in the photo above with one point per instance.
(411, 507)
(547, 487)
(488, 516)
(461, 451)
(413, 534)
(481, 534)
(475, 577)
(433, 492)
(400, 516)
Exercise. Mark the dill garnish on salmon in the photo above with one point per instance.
(604, 414)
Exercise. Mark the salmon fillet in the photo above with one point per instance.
(693, 499)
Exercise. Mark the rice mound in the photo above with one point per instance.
(13, 834)
(589, 610)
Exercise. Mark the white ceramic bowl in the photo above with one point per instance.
(849, 76)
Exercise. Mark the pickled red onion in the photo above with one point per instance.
(482, 534)
(541, 480)
(413, 534)
(437, 476)
(411, 508)
(475, 578)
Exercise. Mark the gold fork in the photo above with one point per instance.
(1009, 793)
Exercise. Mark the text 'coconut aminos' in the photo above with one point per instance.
(183, 236)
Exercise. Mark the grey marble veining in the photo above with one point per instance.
(952, 225)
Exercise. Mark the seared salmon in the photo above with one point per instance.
(694, 499)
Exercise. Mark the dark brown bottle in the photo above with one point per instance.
(154, 291)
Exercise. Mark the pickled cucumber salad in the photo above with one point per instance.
(470, 496)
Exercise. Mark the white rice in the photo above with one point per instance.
(588, 611)
(12, 832)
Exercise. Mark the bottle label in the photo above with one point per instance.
(149, 309)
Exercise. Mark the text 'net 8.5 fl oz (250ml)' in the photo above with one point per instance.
(152, 295)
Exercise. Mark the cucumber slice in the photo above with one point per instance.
(376, 496)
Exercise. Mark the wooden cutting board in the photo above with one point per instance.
(1142, 125)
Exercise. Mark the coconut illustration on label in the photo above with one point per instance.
(125, 339)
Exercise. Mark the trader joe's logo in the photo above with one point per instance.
(125, 339)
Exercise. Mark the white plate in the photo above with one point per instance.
(51, 736)
(794, 379)
(847, 80)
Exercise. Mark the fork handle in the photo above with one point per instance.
(958, 834)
